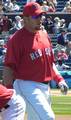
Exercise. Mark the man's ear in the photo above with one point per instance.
(25, 19)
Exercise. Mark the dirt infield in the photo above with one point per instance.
(63, 117)
(58, 117)
(58, 92)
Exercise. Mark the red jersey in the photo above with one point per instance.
(5, 95)
(30, 55)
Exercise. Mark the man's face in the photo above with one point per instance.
(35, 22)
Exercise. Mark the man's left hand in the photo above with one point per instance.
(63, 87)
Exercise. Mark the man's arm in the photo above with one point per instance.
(8, 77)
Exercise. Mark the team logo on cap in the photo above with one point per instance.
(35, 7)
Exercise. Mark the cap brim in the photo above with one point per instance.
(38, 12)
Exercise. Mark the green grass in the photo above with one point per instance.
(61, 105)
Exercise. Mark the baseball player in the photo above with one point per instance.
(12, 106)
(29, 61)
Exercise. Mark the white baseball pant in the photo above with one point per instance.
(16, 109)
(37, 99)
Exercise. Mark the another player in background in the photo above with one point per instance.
(12, 106)
(29, 62)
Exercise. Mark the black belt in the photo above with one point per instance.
(5, 107)
(46, 82)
